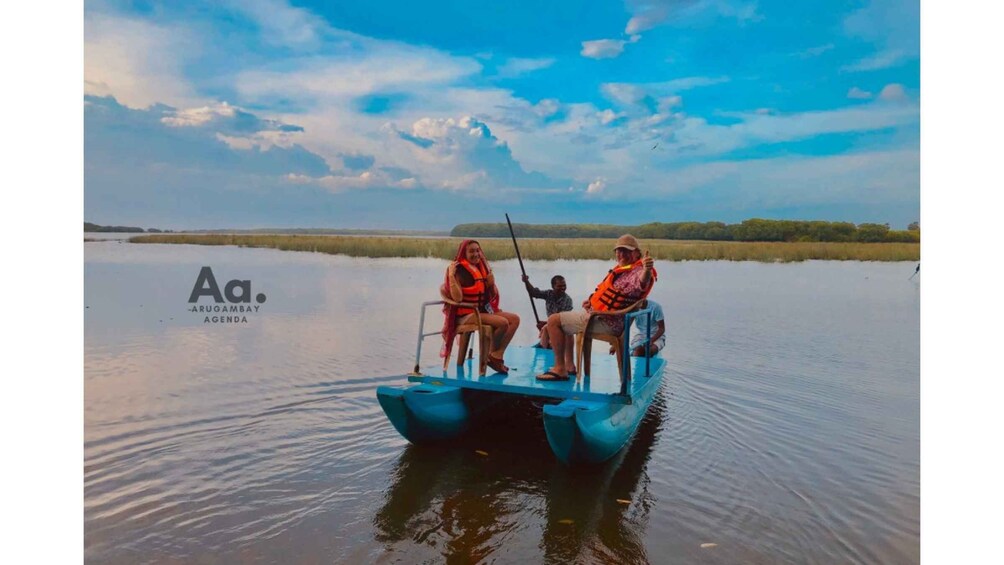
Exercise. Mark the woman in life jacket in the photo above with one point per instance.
(470, 279)
(629, 281)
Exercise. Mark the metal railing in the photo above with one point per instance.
(625, 369)
(422, 335)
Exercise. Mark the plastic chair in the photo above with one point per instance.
(464, 332)
(584, 342)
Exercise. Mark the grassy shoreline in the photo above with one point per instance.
(554, 249)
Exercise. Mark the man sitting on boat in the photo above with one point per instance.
(657, 341)
(469, 279)
(628, 282)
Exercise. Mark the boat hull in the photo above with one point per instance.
(425, 413)
(587, 420)
(586, 432)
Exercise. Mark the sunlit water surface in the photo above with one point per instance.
(786, 429)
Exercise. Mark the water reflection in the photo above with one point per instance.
(465, 500)
(787, 428)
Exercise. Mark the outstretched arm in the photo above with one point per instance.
(534, 291)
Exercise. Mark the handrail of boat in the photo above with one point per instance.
(422, 336)
(625, 374)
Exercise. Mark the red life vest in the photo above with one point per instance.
(606, 297)
(476, 293)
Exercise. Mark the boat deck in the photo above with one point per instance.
(525, 363)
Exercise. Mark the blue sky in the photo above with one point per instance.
(388, 114)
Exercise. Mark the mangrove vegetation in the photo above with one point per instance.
(749, 230)
(559, 248)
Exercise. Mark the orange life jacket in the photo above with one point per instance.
(477, 293)
(606, 297)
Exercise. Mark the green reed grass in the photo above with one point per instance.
(552, 249)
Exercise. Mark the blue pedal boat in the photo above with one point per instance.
(586, 419)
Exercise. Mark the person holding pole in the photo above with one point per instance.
(556, 300)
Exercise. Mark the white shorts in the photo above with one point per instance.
(639, 340)
(574, 322)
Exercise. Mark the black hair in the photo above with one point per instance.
(555, 279)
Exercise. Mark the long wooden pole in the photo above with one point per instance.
(520, 259)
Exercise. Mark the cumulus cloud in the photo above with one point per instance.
(603, 48)
(893, 93)
(225, 117)
(752, 129)
(520, 66)
(547, 107)
(891, 27)
(462, 154)
(283, 24)
(607, 116)
(138, 62)
(373, 179)
(596, 186)
(856, 93)
(502, 144)
(880, 60)
(624, 93)
(381, 67)
(648, 17)
(815, 51)
(114, 133)
(649, 14)
(655, 95)
(234, 126)
(868, 178)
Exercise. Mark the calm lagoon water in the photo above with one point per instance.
(786, 430)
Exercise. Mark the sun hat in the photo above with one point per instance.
(626, 241)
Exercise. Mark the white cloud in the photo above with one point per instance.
(856, 93)
(596, 186)
(667, 103)
(703, 138)
(893, 92)
(665, 92)
(815, 51)
(283, 24)
(603, 48)
(384, 67)
(138, 62)
(261, 141)
(879, 177)
(233, 125)
(500, 137)
(365, 180)
(624, 93)
(461, 154)
(607, 116)
(876, 61)
(547, 107)
(649, 14)
(891, 26)
(519, 66)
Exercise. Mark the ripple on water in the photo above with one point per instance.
(786, 429)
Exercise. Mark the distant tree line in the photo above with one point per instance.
(749, 230)
(89, 227)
